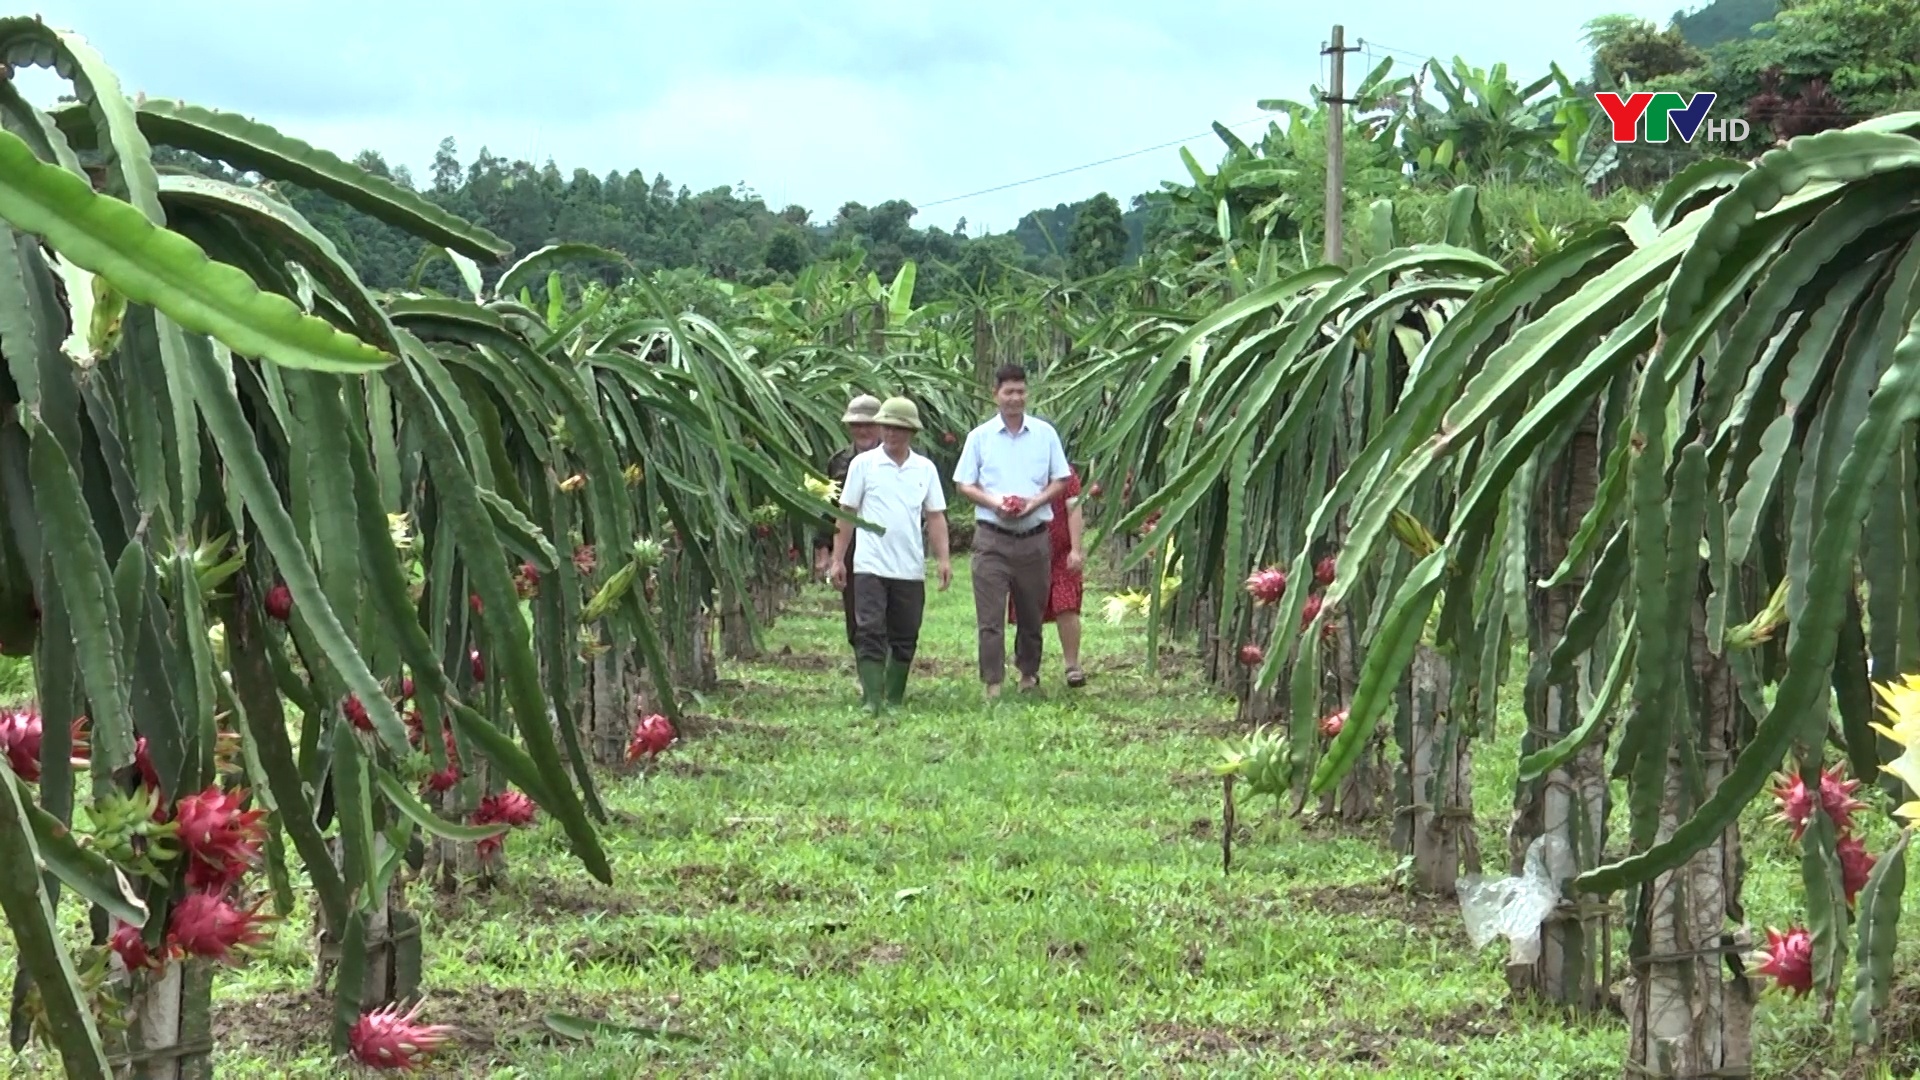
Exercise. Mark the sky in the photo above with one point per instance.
(817, 104)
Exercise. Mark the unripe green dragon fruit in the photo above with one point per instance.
(1260, 761)
(126, 831)
(649, 553)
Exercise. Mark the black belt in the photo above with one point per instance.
(1004, 531)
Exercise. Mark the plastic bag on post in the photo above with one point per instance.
(1515, 907)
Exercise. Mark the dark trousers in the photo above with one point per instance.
(1016, 566)
(846, 600)
(887, 614)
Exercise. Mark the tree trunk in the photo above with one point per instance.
(1687, 1015)
(736, 635)
(703, 672)
(1437, 762)
(392, 942)
(1573, 800)
(613, 698)
(1361, 792)
(449, 863)
(170, 1033)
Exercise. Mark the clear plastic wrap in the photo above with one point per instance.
(1515, 907)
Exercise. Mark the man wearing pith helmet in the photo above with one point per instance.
(897, 489)
(865, 436)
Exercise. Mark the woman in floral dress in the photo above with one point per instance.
(1063, 599)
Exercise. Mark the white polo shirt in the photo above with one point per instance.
(1010, 464)
(894, 495)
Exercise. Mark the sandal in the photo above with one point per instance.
(1076, 678)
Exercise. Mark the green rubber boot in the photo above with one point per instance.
(873, 674)
(897, 681)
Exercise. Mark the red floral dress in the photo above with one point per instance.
(1064, 596)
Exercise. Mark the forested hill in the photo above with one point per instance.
(730, 233)
(1723, 21)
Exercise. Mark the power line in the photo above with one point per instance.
(1088, 165)
(1369, 43)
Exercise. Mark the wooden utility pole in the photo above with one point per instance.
(1337, 142)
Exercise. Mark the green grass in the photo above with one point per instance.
(1033, 890)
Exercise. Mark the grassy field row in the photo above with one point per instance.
(1033, 890)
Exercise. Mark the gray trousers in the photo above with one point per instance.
(1020, 567)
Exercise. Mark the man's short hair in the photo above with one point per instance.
(1007, 373)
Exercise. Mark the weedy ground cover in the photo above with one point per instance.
(1032, 890)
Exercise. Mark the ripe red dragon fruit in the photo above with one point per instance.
(1324, 571)
(1251, 655)
(221, 840)
(479, 666)
(387, 1038)
(208, 926)
(1013, 504)
(473, 601)
(127, 943)
(1836, 797)
(21, 733)
(527, 581)
(1309, 611)
(584, 559)
(510, 808)
(1267, 586)
(651, 736)
(416, 727)
(356, 711)
(406, 688)
(1856, 862)
(488, 846)
(446, 778)
(1332, 723)
(279, 602)
(1788, 958)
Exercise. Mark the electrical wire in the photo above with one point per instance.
(1088, 165)
(1369, 43)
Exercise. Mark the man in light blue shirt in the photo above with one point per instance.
(1010, 469)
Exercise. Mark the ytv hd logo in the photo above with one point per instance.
(1667, 110)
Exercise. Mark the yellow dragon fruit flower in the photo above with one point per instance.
(1900, 701)
(825, 489)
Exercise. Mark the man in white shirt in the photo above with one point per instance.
(898, 490)
(1010, 469)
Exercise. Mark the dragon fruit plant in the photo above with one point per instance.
(317, 499)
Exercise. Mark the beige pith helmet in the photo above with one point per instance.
(861, 410)
(898, 412)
